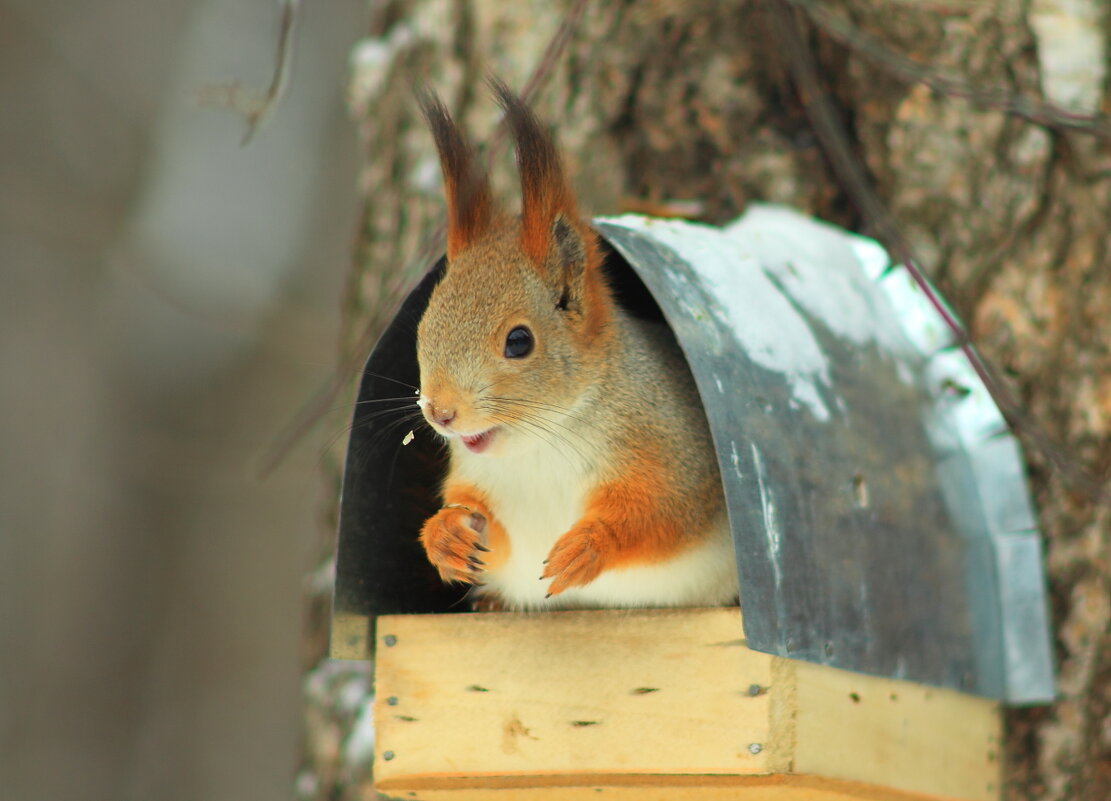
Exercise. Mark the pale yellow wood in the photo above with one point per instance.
(613, 692)
(656, 704)
(895, 734)
(649, 788)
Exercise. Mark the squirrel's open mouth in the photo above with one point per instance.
(478, 442)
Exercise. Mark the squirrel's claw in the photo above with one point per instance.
(450, 540)
(575, 560)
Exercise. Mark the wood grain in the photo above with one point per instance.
(656, 703)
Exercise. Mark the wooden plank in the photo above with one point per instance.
(779, 787)
(648, 692)
(656, 703)
(895, 733)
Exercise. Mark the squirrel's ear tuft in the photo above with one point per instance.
(545, 194)
(470, 207)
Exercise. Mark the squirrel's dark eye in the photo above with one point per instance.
(518, 343)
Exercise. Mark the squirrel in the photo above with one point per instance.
(581, 469)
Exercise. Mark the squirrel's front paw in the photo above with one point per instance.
(575, 560)
(452, 539)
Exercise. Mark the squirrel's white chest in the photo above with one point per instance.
(537, 496)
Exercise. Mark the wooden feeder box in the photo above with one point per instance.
(656, 704)
(889, 561)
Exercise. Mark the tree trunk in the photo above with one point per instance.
(670, 104)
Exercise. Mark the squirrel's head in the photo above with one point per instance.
(519, 323)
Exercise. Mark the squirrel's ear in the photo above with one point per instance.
(548, 215)
(470, 208)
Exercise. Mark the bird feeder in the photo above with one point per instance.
(892, 591)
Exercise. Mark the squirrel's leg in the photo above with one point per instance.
(626, 522)
(463, 538)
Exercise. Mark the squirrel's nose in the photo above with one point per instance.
(440, 415)
(437, 414)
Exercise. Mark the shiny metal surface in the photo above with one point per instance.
(878, 504)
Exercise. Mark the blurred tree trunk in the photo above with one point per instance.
(662, 101)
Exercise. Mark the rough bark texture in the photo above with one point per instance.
(665, 101)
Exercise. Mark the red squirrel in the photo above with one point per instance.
(581, 470)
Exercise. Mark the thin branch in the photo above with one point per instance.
(283, 68)
(258, 109)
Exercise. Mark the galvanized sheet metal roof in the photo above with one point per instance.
(877, 500)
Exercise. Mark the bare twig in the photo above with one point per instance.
(283, 68)
(257, 109)
(553, 52)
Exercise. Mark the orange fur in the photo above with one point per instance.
(545, 194)
(470, 205)
(600, 457)
(625, 523)
(597, 300)
(449, 538)
(546, 198)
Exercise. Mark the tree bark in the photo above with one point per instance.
(690, 104)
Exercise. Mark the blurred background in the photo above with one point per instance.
(168, 300)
